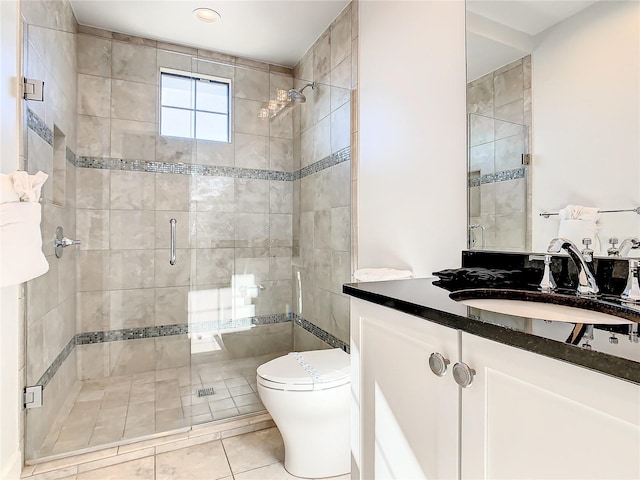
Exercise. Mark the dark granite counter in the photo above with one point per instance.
(564, 341)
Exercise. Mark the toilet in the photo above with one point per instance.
(308, 397)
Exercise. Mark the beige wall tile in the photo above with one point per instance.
(214, 266)
(322, 58)
(167, 275)
(92, 188)
(251, 196)
(280, 197)
(93, 136)
(246, 117)
(93, 311)
(132, 356)
(132, 308)
(341, 38)
(136, 63)
(341, 127)
(133, 101)
(175, 150)
(132, 190)
(94, 95)
(214, 153)
(213, 194)
(251, 151)
(94, 55)
(251, 84)
(252, 230)
(92, 229)
(171, 305)
(93, 270)
(132, 230)
(281, 154)
(172, 192)
(280, 230)
(131, 269)
(322, 139)
(133, 140)
(213, 230)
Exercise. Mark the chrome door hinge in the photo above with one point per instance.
(32, 396)
(526, 159)
(33, 89)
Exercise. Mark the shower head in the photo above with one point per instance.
(297, 96)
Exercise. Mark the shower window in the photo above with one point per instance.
(194, 107)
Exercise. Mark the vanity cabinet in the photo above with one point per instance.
(523, 416)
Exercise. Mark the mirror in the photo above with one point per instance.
(553, 107)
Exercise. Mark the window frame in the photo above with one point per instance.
(194, 77)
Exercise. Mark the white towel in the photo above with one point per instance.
(7, 191)
(28, 187)
(578, 222)
(21, 256)
(380, 274)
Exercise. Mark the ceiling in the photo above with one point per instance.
(502, 31)
(273, 31)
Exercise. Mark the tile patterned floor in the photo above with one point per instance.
(250, 456)
(108, 410)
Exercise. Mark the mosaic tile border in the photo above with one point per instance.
(320, 333)
(57, 363)
(35, 123)
(90, 338)
(340, 156)
(502, 176)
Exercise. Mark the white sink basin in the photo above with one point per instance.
(544, 311)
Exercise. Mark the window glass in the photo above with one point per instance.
(211, 126)
(194, 107)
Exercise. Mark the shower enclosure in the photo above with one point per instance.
(499, 119)
(198, 259)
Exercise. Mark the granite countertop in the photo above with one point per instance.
(422, 297)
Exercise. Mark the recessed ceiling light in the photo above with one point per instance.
(207, 15)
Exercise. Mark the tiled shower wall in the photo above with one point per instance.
(234, 215)
(499, 111)
(49, 129)
(322, 213)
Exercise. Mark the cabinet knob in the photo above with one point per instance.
(463, 374)
(438, 364)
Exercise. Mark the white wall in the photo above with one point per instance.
(586, 119)
(10, 455)
(412, 199)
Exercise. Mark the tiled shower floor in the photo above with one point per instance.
(109, 410)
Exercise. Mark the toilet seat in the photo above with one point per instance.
(306, 371)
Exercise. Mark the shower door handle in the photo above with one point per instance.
(173, 222)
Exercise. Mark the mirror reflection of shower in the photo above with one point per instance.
(284, 101)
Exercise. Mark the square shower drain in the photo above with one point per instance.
(205, 392)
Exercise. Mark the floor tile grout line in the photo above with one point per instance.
(227, 457)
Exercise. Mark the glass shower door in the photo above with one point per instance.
(498, 184)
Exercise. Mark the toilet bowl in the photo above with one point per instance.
(308, 397)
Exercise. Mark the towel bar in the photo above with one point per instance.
(637, 210)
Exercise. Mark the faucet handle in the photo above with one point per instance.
(587, 253)
(632, 290)
(547, 284)
(613, 251)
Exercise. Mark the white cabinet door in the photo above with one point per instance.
(408, 415)
(529, 416)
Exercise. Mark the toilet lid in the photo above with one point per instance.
(313, 370)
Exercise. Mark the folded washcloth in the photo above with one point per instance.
(578, 212)
(21, 257)
(380, 274)
(28, 187)
(578, 222)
